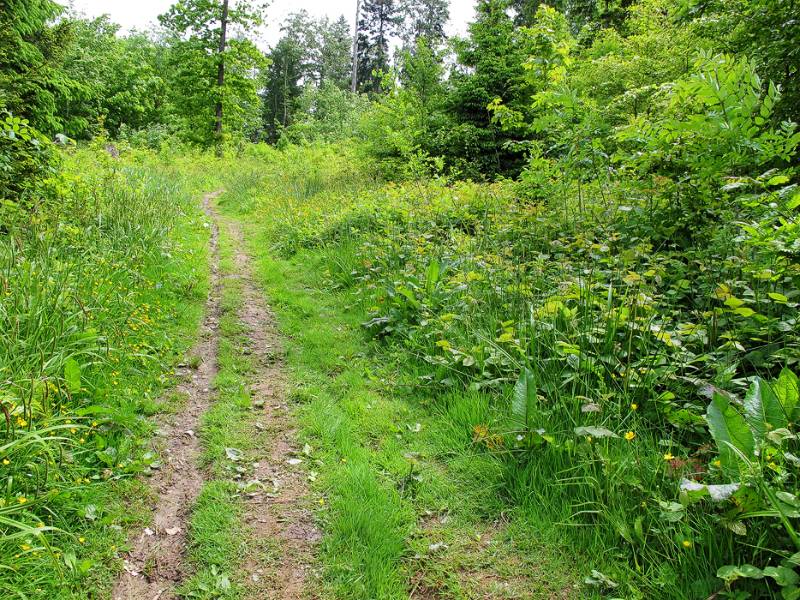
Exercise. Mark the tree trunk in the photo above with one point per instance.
(354, 82)
(221, 69)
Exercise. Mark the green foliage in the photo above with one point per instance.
(326, 113)
(115, 81)
(614, 345)
(27, 161)
(97, 295)
(30, 54)
(193, 59)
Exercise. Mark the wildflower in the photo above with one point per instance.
(6, 462)
(21, 422)
(589, 439)
(634, 406)
(322, 501)
(25, 547)
(717, 463)
(22, 499)
(82, 540)
(686, 543)
(668, 456)
(82, 440)
(630, 435)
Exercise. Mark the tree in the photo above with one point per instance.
(378, 21)
(31, 53)
(423, 20)
(295, 62)
(213, 78)
(491, 65)
(311, 54)
(112, 81)
(282, 86)
(334, 58)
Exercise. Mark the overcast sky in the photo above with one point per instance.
(141, 14)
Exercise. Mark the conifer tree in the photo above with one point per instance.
(377, 24)
(423, 20)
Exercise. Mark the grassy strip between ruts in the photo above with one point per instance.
(218, 540)
(408, 503)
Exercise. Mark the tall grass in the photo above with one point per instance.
(97, 294)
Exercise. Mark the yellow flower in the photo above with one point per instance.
(630, 435)
(668, 456)
(322, 501)
(687, 544)
(634, 406)
(717, 463)
(6, 461)
(82, 540)
(21, 422)
(22, 499)
(25, 547)
(82, 440)
(589, 439)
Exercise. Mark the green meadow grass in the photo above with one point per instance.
(102, 295)
(390, 459)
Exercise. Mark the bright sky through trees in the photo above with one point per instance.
(142, 13)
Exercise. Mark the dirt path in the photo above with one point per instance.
(154, 565)
(281, 525)
(280, 515)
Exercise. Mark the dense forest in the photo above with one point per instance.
(506, 315)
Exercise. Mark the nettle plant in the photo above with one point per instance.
(758, 448)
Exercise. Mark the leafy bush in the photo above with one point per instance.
(27, 160)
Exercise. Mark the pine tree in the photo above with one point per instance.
(334, 60)
(423, 20)
(491, 65)
(377, 24)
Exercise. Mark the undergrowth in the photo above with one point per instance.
(616, 379)
(101, 287)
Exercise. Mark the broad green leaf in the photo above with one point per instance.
(727, 426)
(524, 401)
(783, 576)
(72, 375)
(778, 180)
(598, 432)
(432, 276)
(778, 297)
(671, 512)
(787, 390)
(762, 410)
(730, 573)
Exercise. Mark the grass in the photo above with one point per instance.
(100, 299)
(392, 465)
(462, 289)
